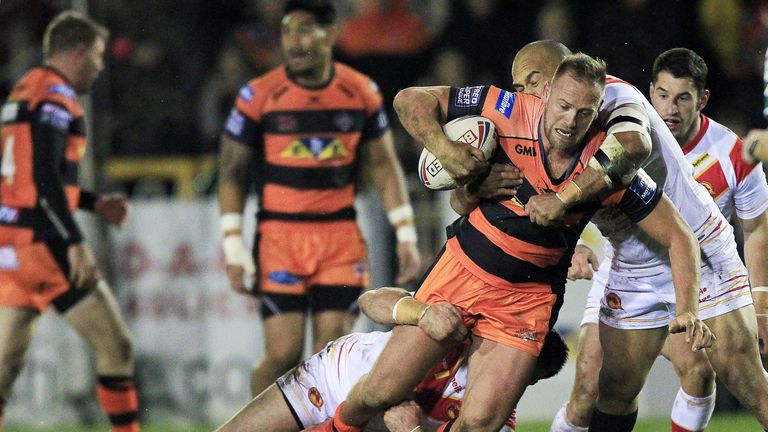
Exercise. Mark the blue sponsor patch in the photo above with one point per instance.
(284, 277)
(246, 93)
(381, 119)
(56, 116)
(63, 90)
(235, 123)
(505, 102)
(643, 186)
(8, 214)
(468, 96)
(8, 259)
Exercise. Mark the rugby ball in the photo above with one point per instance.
(474, 130)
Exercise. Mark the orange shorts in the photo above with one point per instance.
(520, 319)
(31, 276)
(293, 260)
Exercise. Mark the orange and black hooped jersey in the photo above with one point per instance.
(497, 238)
(43, 141)
(307, 141)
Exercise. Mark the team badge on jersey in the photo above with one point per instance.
(505, 102)
(613, 301)
(318, 148)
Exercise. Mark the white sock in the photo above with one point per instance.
(560, 422)
(692, 413)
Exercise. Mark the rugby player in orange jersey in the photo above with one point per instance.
(307, 131)
(505, 274)
(43, 257)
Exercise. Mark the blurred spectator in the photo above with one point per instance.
(258, 35)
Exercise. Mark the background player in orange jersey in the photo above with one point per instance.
(306, 130)
(505, 274)
(43, 257)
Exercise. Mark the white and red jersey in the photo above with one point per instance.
(633, 254)
(734, 184)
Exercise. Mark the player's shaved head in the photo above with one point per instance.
(535, 64)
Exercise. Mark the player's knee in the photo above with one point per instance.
(381, 396)
(698, 374)
(118, 350)
(485, 421)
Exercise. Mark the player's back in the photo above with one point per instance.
(632, 251)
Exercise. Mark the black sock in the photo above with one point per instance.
(612, 423)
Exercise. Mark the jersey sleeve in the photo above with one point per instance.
(463, 101)
(376, 119)
(51, 129)
(750, 196)
(243, 123)
(638, 198)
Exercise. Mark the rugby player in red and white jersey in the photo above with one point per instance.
(309, 393)
(634, 282)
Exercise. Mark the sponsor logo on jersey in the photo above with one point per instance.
(505, 102)
(63, 90)
(613, 301)
(56, 116)
(643, 186)
(373, 85)
(8, 214)
(8, 259)
(468, 96)
(246, 93)
(284, 277)
(315, 397)
(235, 123)
(318, 148)
(525, 150)
(700, 159)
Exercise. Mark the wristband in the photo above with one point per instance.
(760, 289)
(406, 234)
(231, 222)
(408, 310)
(417, 429)
(400, 214)
(570, 194)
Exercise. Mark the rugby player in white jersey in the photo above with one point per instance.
(309, 393)
(637, 305)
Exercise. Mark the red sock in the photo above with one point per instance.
(117, 396)
(340, 426)
(677, 428)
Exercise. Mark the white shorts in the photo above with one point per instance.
(649, 302)
(315, 387)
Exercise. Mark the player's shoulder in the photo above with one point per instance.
(352, 77)
(44, 84)
(619, 92)
(267, 83)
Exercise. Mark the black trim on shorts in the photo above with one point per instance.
(560, 291)
(334, 297)
(276, 304)
(290, 408)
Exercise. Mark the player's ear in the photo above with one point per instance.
(703, 99)
(332, 33)
(547, 90)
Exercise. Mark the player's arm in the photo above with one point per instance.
(380, 160)
(48, 152)
(391, 306)
(423, 111)
(755, 147)
(755, 246)
(235, 159)
(666, 226)
(626, 146)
